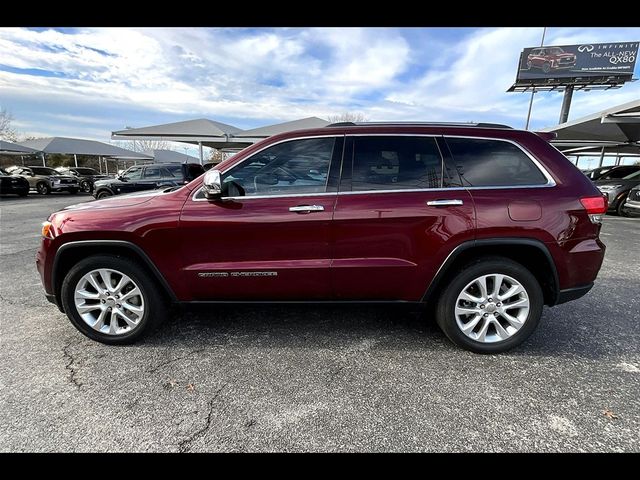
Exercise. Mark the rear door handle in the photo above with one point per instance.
(444, 203)
(306, 208)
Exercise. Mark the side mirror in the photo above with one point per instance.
(212, 185)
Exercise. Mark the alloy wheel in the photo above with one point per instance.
(492, 308)
(109, 301)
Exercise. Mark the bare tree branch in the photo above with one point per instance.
(7, 133)
(348, 117)
(144, 145)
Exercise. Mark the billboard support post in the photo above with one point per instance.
(566, 103)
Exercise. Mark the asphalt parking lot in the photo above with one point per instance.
(309, 378)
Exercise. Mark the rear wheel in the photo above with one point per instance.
(112, 299)
(103, 194)
(43, 189)
(490, 306)
(85, 186)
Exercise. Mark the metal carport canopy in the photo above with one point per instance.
(79, 146)
(617, 125)
(210, 133)
(10, 148)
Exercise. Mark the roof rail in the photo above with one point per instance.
(428, 124)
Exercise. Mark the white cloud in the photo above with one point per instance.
(259, 75)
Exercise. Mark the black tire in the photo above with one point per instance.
(156, 308)
(86, 186)
(445, 309)
(104, 194)
(620, 210)
(546, 67)
(73, 191)
(43, 189)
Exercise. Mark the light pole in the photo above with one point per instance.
(533, 92)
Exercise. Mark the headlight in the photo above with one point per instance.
(47, 230)
(606, 188)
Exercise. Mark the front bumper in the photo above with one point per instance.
(633, 204)
(65, 186)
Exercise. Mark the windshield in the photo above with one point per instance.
(44, 171)
(633, 176)
(555, 51)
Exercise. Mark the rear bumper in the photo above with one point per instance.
(569, 294)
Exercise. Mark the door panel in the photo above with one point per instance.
(388, 246)
(272, 243)
(389, 242)
(256, 249)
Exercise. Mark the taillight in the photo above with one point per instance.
(595, 207)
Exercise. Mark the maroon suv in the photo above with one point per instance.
(550, 58)
(485, 223)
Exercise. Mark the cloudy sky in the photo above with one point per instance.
(86, 82)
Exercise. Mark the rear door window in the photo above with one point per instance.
(493, 163)
(396, 163)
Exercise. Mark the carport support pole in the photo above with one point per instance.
(566, 103)
(75, 159)
(601, 157)
(100, 163)
(200, 147)
(44, 162)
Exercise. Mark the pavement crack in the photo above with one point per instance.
(71, 361)
(173, 360)
(185, 445)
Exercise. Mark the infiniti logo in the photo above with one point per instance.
(585, 48)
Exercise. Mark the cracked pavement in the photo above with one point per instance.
(308, 378)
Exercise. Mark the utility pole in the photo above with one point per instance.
(533, 92)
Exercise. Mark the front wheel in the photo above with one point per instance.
(112, 299)
(86, 187)
(43, 189)
(490, 306)
(103, 194)
(620, 210)
(546, 67)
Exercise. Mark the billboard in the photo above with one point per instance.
(563, 64)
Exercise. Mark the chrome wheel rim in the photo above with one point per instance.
(492, 308)
(109, 301)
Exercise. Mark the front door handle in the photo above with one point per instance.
(306, 208)
(444, 203)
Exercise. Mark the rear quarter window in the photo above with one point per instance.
(493, 163)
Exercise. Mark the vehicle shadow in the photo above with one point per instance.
(336, 327)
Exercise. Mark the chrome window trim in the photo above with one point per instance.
(550, 181)
(292, 195)
(306, 137)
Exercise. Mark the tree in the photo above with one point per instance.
(7, 133)
(217, 156)
(348, 117)
(144, 145)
